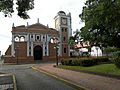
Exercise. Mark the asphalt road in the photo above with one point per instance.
(29, 79)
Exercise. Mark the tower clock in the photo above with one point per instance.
(64, 21)
(63, 25)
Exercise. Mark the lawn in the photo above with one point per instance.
(103, 68)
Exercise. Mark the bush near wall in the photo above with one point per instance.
(116, 59)
(102, 60)
(84, 61)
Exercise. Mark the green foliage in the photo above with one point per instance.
(6, 6)
(102, 24)
(101, 60)
(71, 61)
(85, 61)
(110, 49)
(102, 68)
(116, 58)
(116, 54)
(71, 41)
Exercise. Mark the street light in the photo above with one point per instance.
(56, 42)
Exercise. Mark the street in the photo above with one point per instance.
(29, 79)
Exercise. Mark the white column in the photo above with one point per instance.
(32, 49)
(27, 48)
(41, 37)
(48, 40)
(43, 48)
(28, 44)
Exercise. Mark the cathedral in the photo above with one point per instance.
(37, 42)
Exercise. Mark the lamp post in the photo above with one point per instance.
(56, 47)
(56, 42)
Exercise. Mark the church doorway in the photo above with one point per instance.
(38, 52)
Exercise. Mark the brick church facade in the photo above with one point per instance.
(33, 42)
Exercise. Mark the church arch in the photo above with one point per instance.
(54, 40)
(38, 52)
(16, 38)
(22, 39)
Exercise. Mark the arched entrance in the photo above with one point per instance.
(38, 53)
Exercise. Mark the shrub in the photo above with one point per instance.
(65, 62)
(101, 60)
(116, 58)
(84, 61)
(76, 62)
(109, 50)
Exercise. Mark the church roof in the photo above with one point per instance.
(38, 26)
(34, 28)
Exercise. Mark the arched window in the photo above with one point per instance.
(54, 40)
(22, 39)
(51, 40)
(17, 39)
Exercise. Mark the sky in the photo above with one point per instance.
(45, 10)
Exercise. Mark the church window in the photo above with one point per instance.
(29, 53)
(65, 29)
(31, 36)
(45, 48)
(45, 52)
(64, 38)
(62, 29)
(22, 39)
(30, 48)
(65, 50)
(38, 37)
(43, 37)
(17, 39)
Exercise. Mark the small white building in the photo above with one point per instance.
(96, 51)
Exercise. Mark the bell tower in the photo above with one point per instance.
(63, 25)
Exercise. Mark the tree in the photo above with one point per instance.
(6, 6)
(102, 24)
(74, 40)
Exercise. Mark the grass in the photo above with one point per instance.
(103, 68)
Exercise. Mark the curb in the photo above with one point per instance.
(76, 86)
(14, 82)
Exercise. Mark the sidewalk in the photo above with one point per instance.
(90, 81)
(7, 82)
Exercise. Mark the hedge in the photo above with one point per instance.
(116, 59)
(84, 61)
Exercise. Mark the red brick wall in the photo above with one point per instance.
(21, 49)
(8, 51)
(63, 53)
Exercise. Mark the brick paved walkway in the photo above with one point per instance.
(90, 81)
